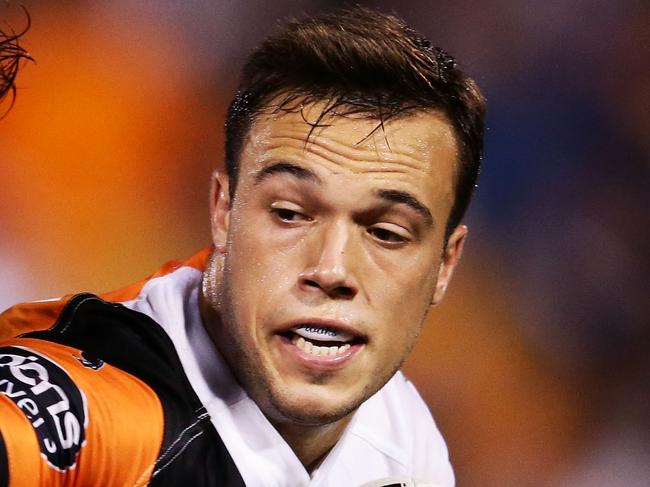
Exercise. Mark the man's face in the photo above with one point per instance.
(329, 257)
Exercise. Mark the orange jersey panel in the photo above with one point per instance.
(20, 443)
(27, 317)
(122, 421)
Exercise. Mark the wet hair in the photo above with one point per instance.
(362, 62)
(11, 54)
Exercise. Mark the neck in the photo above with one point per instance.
(312, 443)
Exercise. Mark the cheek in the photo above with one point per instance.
(259, 270)
(410, 280)
(406, 301)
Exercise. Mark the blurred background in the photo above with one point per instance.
(537, 366)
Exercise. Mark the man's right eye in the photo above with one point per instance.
(287, 215)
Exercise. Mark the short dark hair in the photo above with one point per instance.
(11, 53)
(364, 62)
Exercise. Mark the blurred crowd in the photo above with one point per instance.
(537, 367)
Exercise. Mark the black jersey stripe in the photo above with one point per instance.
(133, 342)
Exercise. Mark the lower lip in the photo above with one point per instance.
(318, 361)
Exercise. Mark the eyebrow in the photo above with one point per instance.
(286, 168)
(408, 199)
(392, 195)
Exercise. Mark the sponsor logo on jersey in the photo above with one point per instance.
(50, 400)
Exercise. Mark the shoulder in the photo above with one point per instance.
(41, 315)
(102, 392)
(123, 383)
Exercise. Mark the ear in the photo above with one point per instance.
(450, 259)
(219, 210)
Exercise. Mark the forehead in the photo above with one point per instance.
(417, 150)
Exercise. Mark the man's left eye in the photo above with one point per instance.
(390, 236)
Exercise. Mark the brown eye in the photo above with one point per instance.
(286, 215)
(387, 236)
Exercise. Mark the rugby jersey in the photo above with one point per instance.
(126, 388)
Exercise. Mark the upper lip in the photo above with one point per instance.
(324, 322)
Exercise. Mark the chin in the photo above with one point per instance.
(313, 408)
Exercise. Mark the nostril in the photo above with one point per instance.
(344, 292)
(311, 283)
(341, 292)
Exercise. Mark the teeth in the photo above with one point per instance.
(308, 347)
(322, 333)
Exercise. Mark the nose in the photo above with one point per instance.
(331, 273)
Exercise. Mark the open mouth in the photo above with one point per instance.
(322, 341)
